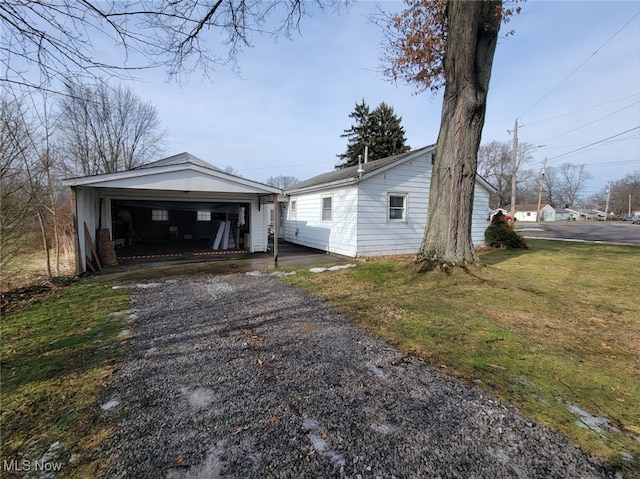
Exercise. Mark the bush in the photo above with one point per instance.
(500, 234)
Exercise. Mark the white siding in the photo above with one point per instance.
(87, 205)
(376, 234)
(480, 215)
(360, 225)
(307, 228)
(258, 227)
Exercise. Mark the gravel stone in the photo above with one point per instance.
(245, 376)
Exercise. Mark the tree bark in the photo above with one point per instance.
(471, 42)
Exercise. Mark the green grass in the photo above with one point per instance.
(57, 353)
(539, 328)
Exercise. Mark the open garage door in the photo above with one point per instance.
(167, 229)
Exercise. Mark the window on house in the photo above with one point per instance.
(204, 216)
(159, 215)
(397, 207)
(326, 208)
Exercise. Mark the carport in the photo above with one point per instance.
(166, 208)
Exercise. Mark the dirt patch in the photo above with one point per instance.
(20, 297)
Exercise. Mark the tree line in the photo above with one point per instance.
(88, 131)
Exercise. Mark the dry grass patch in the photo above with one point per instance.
(554, 326)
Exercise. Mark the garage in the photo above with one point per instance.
(170, 208)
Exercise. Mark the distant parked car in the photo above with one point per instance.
(627, 218)
(636, 220)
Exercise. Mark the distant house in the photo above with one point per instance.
(505, 213)
(377, 208)
(592, 215)
(566, 214)
(530, 213)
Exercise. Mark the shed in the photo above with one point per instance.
(179, 201)
(376, 208)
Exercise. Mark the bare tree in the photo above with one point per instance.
(108, 129)
(15, 200)
(61, 39)
(449, 43)
(625, 194)
(495, 164)
(281, 181)
(573, 180)
(231, 170)
(563, 184)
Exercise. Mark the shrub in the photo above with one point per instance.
(500, 234)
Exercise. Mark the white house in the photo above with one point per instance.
(530, 213)
(566, 214)
(178, 200)
(377, 208)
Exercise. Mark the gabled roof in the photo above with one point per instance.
(521, 208)
(179, 159)
(182, 172)
(351, 175)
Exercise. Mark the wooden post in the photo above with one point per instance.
(87, 235)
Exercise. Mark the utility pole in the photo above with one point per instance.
(513, 175)
(629, 204)
(540, 193)
(606, 208)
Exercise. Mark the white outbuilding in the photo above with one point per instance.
(180, 201)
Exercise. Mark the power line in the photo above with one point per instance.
(579, 66)
(588, 124)
(594, 143)
(579, 111)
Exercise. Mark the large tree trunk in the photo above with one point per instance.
(471, 42)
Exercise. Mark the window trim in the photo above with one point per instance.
(405, 207)
(323, 217)
(293, 209)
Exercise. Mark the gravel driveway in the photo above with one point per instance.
(243, 376)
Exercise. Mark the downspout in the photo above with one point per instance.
(276, 220)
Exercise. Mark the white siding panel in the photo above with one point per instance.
(308, 229)
(258, 227)
(88, 206)
(480, 217)
(378, 236)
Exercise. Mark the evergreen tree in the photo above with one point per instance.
(379, 129)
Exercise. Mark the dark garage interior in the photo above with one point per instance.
(174, 228)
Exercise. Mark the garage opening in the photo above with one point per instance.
(175, 229)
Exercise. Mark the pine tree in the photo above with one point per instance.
(379, 129)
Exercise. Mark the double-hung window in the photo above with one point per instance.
(397, 207)
(292, 210)
(326, 208)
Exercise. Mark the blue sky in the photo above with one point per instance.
(570, 75)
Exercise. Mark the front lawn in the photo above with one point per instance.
(57, 354)
(553, 330)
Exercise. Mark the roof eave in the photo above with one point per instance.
(323, 186)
